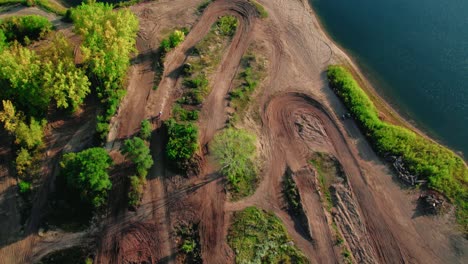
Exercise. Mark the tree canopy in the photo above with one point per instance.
(87, 172)
(235, 151)
(139, 153)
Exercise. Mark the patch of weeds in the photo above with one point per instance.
(326, 167)
(181, 114)
(260, 237)
(291, 193)
(247, 80)
(260, 9)
(203, 6)
(227, 25)
(189, 243)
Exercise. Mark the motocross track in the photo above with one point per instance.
(298, 116)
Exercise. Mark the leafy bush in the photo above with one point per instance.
(145, 130)
(139, 153)
(87, 172)
(183, 141)
(24, 187)
(260, 237)
(227, 25)
(235, 151)
(25, 28)
(136, 190)
(30, 136)
(174, 39)
(445, 171)
(3, 42)
(180, 114)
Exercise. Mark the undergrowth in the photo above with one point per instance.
(260, 237)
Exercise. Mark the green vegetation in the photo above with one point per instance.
(87, 173)
(259, 237)
(24, 187)
(247, 80)
(235, 151)
(181, 114)
(139, 153)
(189, 242)
(136, 190)
(445, 171)
(108, 40)
(145, 130)
(25, 29)
(183, 141)
(203, 6)
(326, 168)
(260, 9)
(174, 39)
(199, 89)
(50, 6)
(291, 193)
(227, 25)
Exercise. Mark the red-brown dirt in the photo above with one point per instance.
(298, 116)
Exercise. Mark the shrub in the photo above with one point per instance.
(23, 161)
(180, 114)
(24, 187)
(203, 6)
(145, 130)
(21, 28)
(235, 151)
(174, 39)
(183, 141)
(227, 25)
(136, 191)
(87, 172)
(29, 136)
(445, 171)
(260, 237)
(139, 153)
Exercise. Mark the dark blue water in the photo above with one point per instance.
(415, 53)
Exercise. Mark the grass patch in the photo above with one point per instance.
(326, 168)
(247, 80)
(235, 151)
(260, 9)
(444, 170)
(260, 237)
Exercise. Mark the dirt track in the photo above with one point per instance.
(375, 215)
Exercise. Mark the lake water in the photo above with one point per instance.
(415, 53)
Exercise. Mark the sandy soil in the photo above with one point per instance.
(375, 214)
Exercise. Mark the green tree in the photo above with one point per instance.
(139, 153)
(87, 172)
(63, 81)
(235, 151)
(30, 136)
(145, 130)
(3, 43)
